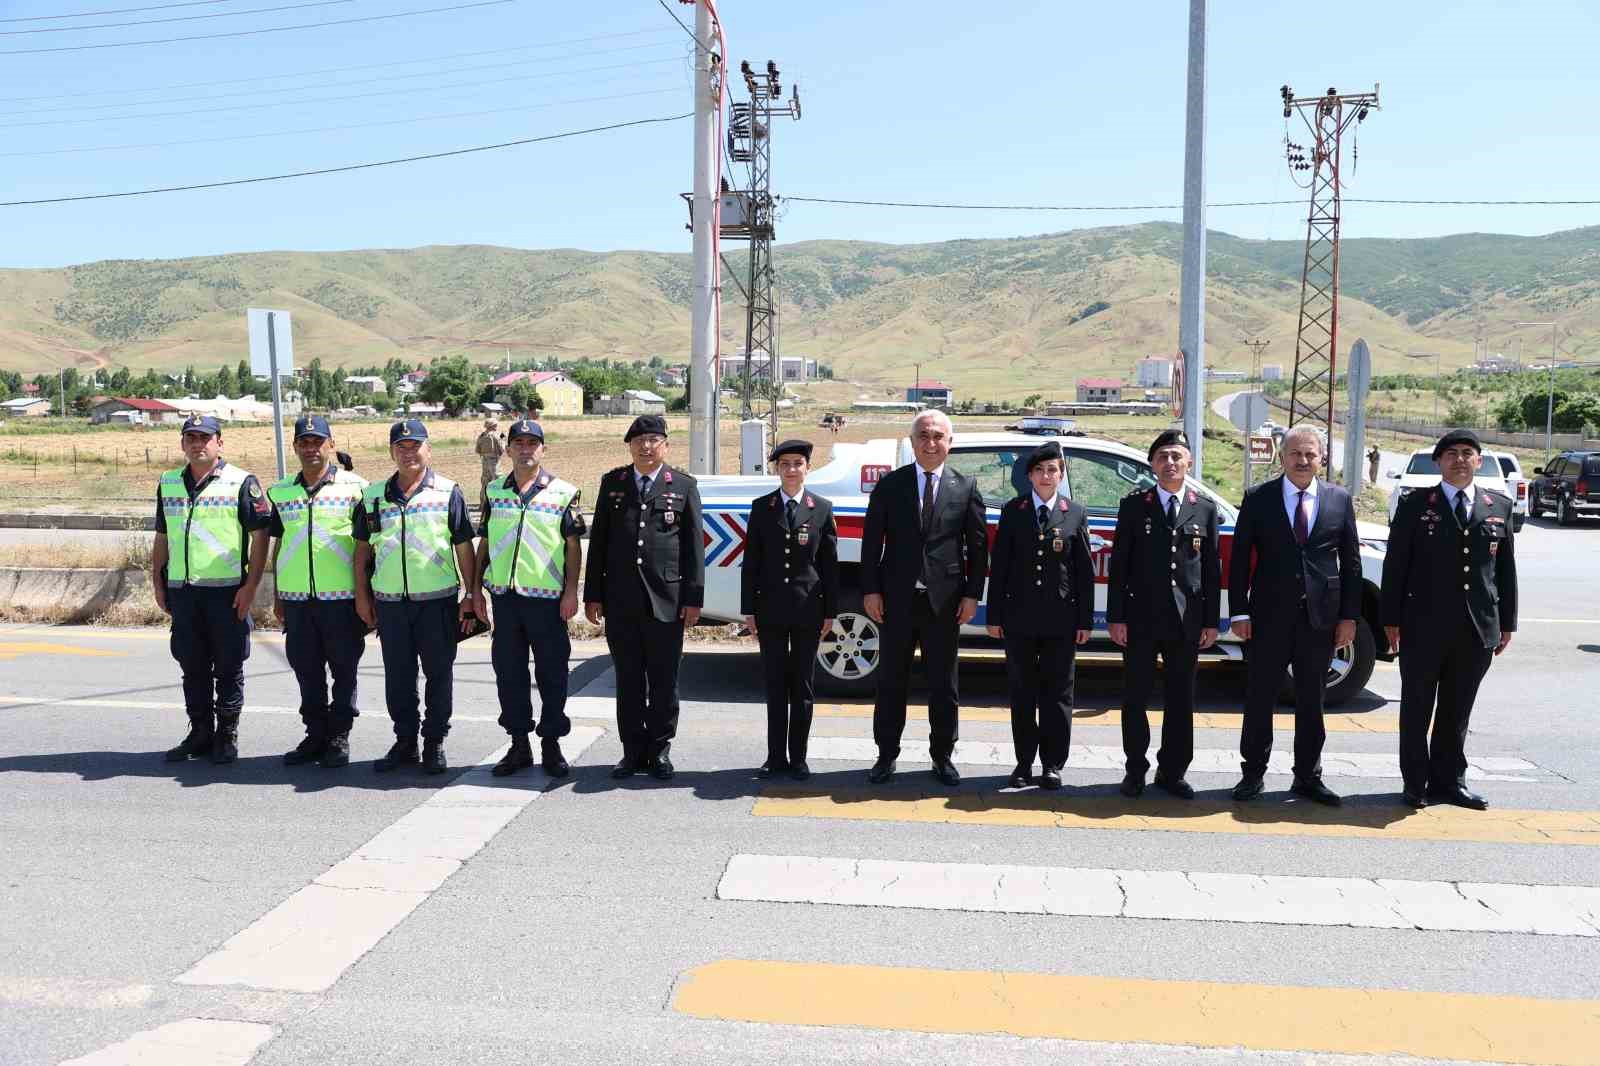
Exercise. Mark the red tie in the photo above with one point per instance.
(1300, 531)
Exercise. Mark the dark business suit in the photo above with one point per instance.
(789, 582)
(1294, 596)
(1166, 586)
(646, 561)
(1452, 592)
(949, 559)
(1041, 592)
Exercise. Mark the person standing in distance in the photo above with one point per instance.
(1303, 590)
(924, 555)
(529, 559)
(313, 564)
(489, 448)
(1165, 598)
(789, 593)
(646, 578)
(209, 553)
(414, 530)
(1041, 602)
(1449, 607)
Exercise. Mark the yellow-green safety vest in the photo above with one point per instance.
(412, 553)
(205, 541)
(527, 553)
(317, 556)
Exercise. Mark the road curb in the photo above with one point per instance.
(113, 522)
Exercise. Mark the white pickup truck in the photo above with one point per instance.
(1099, 473)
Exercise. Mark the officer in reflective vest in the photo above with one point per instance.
(414, 531)
(314, 562)
(529, 558)
(203, 574)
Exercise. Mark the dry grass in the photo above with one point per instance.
(132, 554)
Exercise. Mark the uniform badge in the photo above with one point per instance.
(1063, 504)
(1494, 548)
(1197, 544)
(1057, 544)
(667, 477)
(1192, 496)
(810, 502)
(773, 503)
(802, 536)
(671, 517)
(1149, 497)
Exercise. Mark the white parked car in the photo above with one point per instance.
(1516, 485)
(1423, 473)
(1099, 473)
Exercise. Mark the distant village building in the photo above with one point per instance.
(1226, 375)
(1154, 373)
(133, 410)
(1271, 371)
(673, 377)
(1496, 364)
(559, 394)
(795, 367)
(631, 402)
(931, 394)
(1100, 390)
(367, 384)
(25, 406)
(242, 409)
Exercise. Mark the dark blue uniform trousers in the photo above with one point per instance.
(523, 624)
(413, 631)
(210, 643)
(322, 637)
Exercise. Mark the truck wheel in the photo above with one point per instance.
(1564, 514)
(1517, 523)
(1348, 672)
(848, 656)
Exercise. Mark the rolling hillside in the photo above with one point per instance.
(994, 317)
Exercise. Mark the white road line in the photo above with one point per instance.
(1206, 760)
(308, 941)
(191, 1042)
(577, 707)
(77, 993)
(1547, 910)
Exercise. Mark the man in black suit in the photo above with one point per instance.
(1295, 573)
(924, 554)
(789, 593)
(1166, 598)
(1041, 601)
(646, 578)
(1454, 622)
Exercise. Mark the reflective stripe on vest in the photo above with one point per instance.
(205, 542)
(316, 558)
(412, 553)
(527, 553)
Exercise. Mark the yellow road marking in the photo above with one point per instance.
(1349, 1021)
(12, 649)
(1269, 818)
(1366, 722)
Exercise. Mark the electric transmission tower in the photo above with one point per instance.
(1315, 347)
(750, 142)
(1255, 347)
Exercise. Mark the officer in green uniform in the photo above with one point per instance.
(314, 562)
(529, 558)
(414, 530)
(207, 512)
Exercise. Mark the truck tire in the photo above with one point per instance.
(1564, 515)
(1349, 671)
(848, 657)
(1517, 522)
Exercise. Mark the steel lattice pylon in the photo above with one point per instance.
(1317, 337)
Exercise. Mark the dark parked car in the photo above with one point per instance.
(1568, 485)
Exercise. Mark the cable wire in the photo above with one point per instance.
(1179, 207)
(120, 11)
(349, 167)
(175, 18)
(251, 33)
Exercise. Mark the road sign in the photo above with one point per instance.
(1261, 448)
(1247, 411)
(1358, 377)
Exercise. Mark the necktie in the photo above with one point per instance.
(788, 514)
(1172, 511)
(1300, 531)
(644, 485)
(1044, 516)
(927, 498)
(1461, 509)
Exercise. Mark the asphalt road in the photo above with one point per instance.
(194, 913)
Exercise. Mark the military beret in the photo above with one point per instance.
(201, 424)
(791, 447)
(646, 424)
(408, 429)
(1168, 436)
(1454, 437)
(1043, 454)
(525, 427)
(312, 426)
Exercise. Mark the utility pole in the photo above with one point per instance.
(703, 219)
(1550, 399)
(1192, 288)
(1256, 347)
(1327, 117)
(1435, 357)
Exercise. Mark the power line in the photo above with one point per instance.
(251, 33)
(333, 99)
(1179, 207)
(339, 70)
(174, 18)
(338, 129)
(350, 167)
(120, 11)
(683, 26)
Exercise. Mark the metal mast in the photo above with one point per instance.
(1327, 117)
(750, 142)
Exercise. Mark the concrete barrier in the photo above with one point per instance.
(82, 594)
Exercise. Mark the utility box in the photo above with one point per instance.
(754, 444)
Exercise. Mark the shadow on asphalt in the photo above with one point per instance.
(268, 770)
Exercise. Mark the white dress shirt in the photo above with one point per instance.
(1451, 492)
(922, 483)
(1164, 496)
(1291, 500)
(1039, 502)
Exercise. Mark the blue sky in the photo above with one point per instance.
(1008, 101)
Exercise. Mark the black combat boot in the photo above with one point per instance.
(551, 759)
(337, 753)
(225, 744)
(433, 761)
(518, 757)
(310, 749)
(404, 751)
(196, 743)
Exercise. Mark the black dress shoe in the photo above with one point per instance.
(771, 768)
(881, 771)
(433, 760)
(1248, 788)
(517, 757)
(309, 749)
(1313, 789)
(551, 761)
(627, 766)
(1050, 780)
(800, 771)
(1414, 798)
(661, 768)
(946, 772)
(1021, 777)
(1132, 785)
(337, 753)
(1459, 797)
(1175, 786)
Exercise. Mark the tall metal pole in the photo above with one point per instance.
(277, 397)
(1192, 293)
(1550, 400)
(703, 327)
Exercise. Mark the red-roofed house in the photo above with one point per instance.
(134, 409)
(559, 394)
(932, 393)
(1099, 390)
